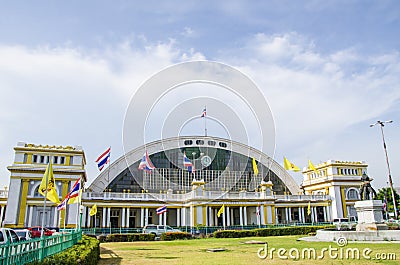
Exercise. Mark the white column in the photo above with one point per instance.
(56, 217)
(104, 216)
(245, 215)
(29, 218)
(165, 218)
(141, 217)
(228, 216)
(89, 217)
(261, 216)
(276, 216)
(232, 219)
(183, 215)
(207, 216)
(83, 216)
(211, 216)
(146, 216)
(269, 215)
(223, 219)
(123, 217)
(315, 214)
(290, 214)
(241, 215)
(191, 216)
(178, 217)
(286, 215)
(128, 213)
(108, 216)
(325, 216)
(328, 213)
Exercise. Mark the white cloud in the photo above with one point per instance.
(188, 32)
(71, 96)
(317, 97)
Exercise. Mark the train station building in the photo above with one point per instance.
(222, 175)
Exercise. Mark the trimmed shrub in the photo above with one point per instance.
(273, 231)
(169, 236)
(85, 252)
(129, 237)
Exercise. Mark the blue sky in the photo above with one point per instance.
(327, 68)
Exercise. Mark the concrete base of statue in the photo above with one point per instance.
(369, 214)
(370, 227)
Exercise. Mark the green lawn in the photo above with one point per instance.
(236, 252)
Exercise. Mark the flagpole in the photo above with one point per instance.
(65, 215)
(205, 121)
(108, 170)
(45, 197)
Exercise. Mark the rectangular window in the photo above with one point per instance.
(25, 158)
(55, 159)
(62, 160)
(34, 158)
(47, 159)
(71, 160)
(42, 159)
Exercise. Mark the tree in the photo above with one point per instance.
(388, 192)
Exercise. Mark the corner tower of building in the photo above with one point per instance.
(340, 180)
(25, 204)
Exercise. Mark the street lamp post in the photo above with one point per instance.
(382, 124)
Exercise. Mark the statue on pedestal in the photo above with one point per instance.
(366, 190)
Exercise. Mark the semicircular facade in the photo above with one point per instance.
(223, 165)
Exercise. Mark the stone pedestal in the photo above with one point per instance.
(266, 189)
(198, 187)
(369, 215)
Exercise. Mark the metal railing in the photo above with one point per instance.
(210, 195)
(113, 230)
(37, 249)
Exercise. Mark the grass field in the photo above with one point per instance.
(237, 252)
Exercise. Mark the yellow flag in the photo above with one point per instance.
(309, 208)
(221, 210)
(311, 166)
(289, 166)
(93, 210)
(51, 185)
(255, 169)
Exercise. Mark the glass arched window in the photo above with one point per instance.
(352, 194)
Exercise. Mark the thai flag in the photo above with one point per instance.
(204, 113)
(146, 164)
(103, 159)
(187, 163)
(161, 209)
(63, 204)
(74, 192)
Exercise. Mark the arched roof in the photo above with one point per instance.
(123, 162)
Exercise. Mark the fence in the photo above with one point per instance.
(37, 249)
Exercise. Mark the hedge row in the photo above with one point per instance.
(276, 231)
(169, 236)
(129, 237)
(85, 252)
